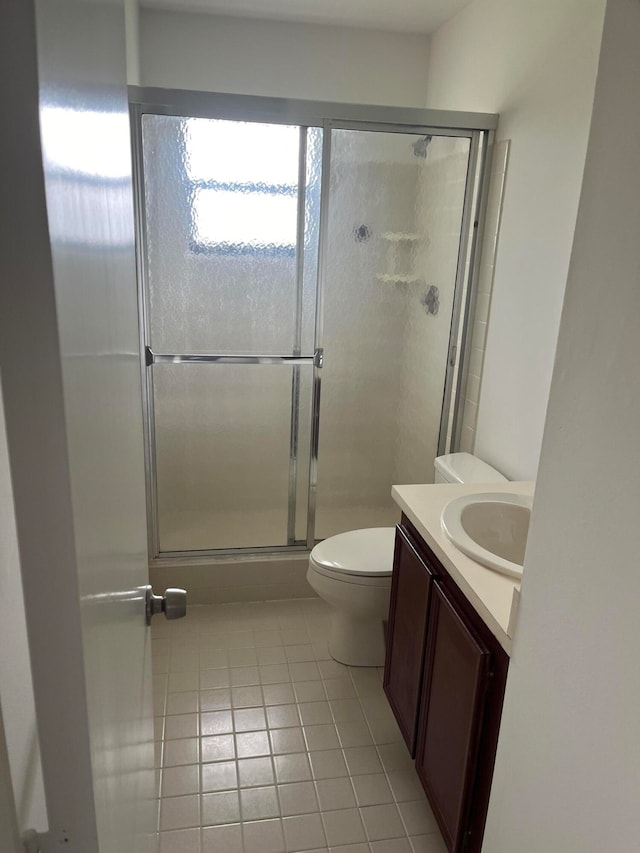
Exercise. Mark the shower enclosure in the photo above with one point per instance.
(304, 282)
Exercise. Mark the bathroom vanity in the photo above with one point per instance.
(448, 642)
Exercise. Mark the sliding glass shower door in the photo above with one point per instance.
(303, 293)
(393, 280)
(230, 244)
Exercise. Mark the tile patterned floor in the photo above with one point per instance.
(264, 744)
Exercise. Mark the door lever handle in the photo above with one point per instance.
(173, 603)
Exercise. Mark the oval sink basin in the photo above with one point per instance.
(490, 528)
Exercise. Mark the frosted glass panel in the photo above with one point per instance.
(221, 205)
(222, 454)
(395, 213)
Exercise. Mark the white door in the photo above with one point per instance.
(71, 385)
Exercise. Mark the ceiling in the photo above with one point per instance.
(415, 16)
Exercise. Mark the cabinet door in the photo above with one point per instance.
(456, 673)
(406, 635)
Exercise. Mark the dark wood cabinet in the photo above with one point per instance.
(406, 635)
(455, 681)
(445, 676)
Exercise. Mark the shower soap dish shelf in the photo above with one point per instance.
(401, 236)
(397, 271)
(396, 278)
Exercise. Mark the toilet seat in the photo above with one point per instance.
(352, 573)
(358, 556)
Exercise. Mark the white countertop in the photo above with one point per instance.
(492, 595)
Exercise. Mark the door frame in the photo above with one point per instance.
(479, 128)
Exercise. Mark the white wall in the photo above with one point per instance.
(16, 689)
(9, 833)
(132, 36)
(277, 59)
(567, 777)
(535, 64)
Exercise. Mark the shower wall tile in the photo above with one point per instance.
(426, 338)
(485, 285)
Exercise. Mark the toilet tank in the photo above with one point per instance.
(465, 468)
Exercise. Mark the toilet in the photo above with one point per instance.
(352, 573)
(465, 468)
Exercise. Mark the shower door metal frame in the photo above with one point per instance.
(477, 127)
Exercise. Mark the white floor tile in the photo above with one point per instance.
(298, 798)
(346, 710)
(283, 716)
(300, 653)
(304, 832)
(310, 691)
(418, 817)
(431, 843)
(392, 845)
(249, 719)
(294, 636)
(244, 676)
(351, 848)
(333, 669)
(216, 723)
(179, 812)
(339, 688)
(215, 700)
(220, 808)
(304, 671)
(217, 748)
(362, 759)
(334, 794)
(211, 679)
(243, 657)
(177, 781)
(405, 785)
(220, 776)
(382, 822)
(180, 682)
(321, 737)
(213, 658)
(271, 746)
(395, 756)
(181, 726)
(253, 772)
(315, 713)
(278, 694)
(266, 639)
(354, 733)
(259, 803)
(343, 827)
(372, 789)
(246, 697)
(287, 740)
(275, 673)
(292, 768)
(263, 836)
(271, 655)
(182, 703)
(216, 839)
(252, 744)
(184, 840)
(183, 751)
(328, 764)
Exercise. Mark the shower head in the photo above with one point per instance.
(420, 146)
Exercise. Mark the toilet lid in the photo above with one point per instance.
(367, 552)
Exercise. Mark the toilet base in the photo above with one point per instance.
(356, 642)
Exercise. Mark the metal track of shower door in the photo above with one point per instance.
(296, 361)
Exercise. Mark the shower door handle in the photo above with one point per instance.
(173, 603)
(151, 357)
